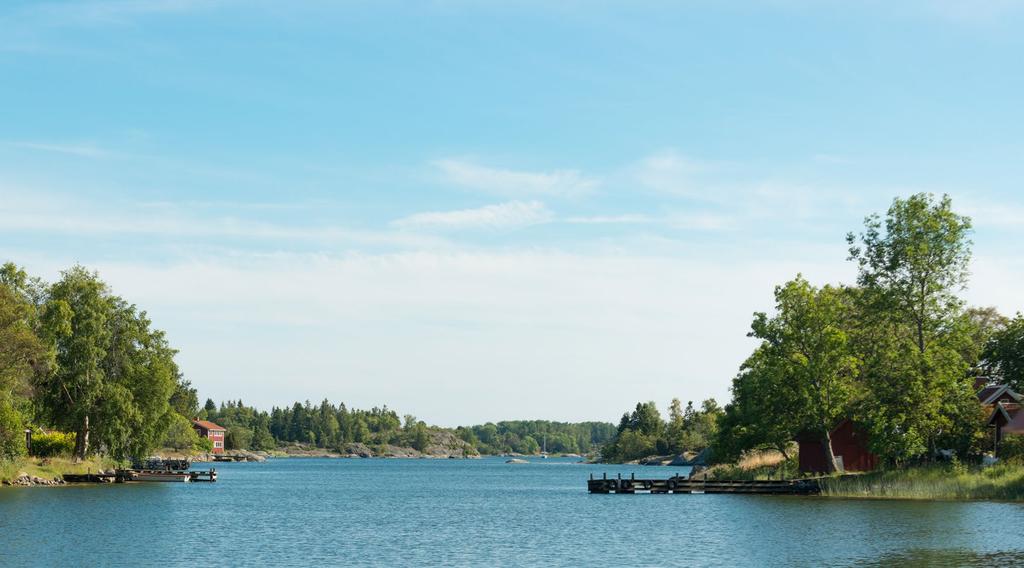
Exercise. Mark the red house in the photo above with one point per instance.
(849, 445)
(207, 429)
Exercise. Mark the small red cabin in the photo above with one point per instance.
(207, 429)
(849, 445)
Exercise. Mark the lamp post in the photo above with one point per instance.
(28, 440)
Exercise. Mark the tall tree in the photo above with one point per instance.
(912, 266)
(807, 344)
(77, 313)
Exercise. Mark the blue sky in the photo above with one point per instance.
(479, 211)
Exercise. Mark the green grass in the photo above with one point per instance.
(999, 482)
(48, 468)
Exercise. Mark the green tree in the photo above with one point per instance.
(180, 435)
(22, 355)
(113, 375)
(421, 437)
(1004, 353)
(77, 314)
(185, 399)
(759, 416)
(911, 268)
(807, 344)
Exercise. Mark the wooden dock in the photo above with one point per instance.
(678, 484)
(153, 470)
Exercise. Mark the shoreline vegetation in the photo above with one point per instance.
(897, 355)
(897, 358)
(952, 482)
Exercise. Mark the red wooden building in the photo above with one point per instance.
(207, 429)
(849, 445)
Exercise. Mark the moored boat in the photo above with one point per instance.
(171, 476)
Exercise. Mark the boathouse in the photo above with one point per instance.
(849, 444)
(215, 433)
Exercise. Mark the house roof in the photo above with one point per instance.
(992, 393)
(207, 425)
(1000, 410)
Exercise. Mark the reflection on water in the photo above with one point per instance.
(306, 512)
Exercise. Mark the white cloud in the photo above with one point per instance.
(501, 216)
(558, 183)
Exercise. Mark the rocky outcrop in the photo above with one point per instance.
(516, 460)
(441, 445)
(25, 480)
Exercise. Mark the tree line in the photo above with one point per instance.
(643, 432)
(334, 427)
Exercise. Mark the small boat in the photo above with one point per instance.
(172, 476)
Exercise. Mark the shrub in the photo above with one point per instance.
(1012, 448)
(181, 436)
(12, 432)
(53, 444)
(203, 444)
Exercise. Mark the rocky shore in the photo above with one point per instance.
(25, 480)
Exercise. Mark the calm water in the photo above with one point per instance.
(322, 512)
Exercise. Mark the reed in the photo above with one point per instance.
(998, 482)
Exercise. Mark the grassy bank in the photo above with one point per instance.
(48, 468)
(999, 482)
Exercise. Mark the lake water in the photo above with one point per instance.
(331, 512)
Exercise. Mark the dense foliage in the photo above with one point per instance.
(76, 357)
(643, 432)
(897, 353)
(1004, 353)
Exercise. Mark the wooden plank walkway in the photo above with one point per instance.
(678, 484)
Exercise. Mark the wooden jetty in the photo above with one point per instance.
(89, 478)
(676, 484)
(149, 471)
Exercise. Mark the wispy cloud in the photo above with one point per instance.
(627, 219)
(501, 216)
(670, 172)
(514, 183)
(65, 215)
(82, 150)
